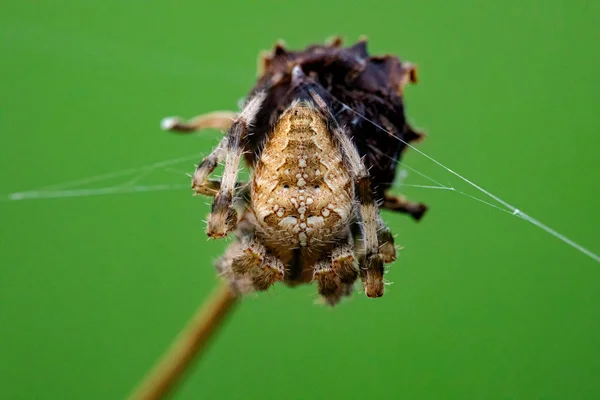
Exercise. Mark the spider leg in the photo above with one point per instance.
(371, 265)
(221, 120)
(336, 276)
(402, 205)
(249, 267)
(239, 283)
(386, 242)
(263, 268)
(328, 283)
(342, 261)
(200, 182)
(211, 187)
(222, 219)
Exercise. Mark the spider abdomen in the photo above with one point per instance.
(301, 193)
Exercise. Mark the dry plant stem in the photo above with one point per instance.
(190, 342)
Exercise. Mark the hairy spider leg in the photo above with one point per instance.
(402, 205)
(371, 265)
(221, 120)
(200, 182)
(386, 242)
(223, 218)
(210, 187)
(249, 267)
(336, 275)
(263, 268)
(238, 283)
(342, 260)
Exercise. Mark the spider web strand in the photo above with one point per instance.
(54, 194)
(513, 210)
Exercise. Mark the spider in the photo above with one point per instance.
(322, 131)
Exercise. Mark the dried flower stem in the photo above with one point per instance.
(190, 342)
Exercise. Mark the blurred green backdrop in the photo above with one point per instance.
(483, 305)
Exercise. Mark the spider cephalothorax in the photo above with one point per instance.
(323, 131)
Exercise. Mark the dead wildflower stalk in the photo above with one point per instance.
(187, 346)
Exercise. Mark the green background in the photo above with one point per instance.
(483, 305)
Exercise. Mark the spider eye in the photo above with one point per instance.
(316, 186)
(286, 186)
